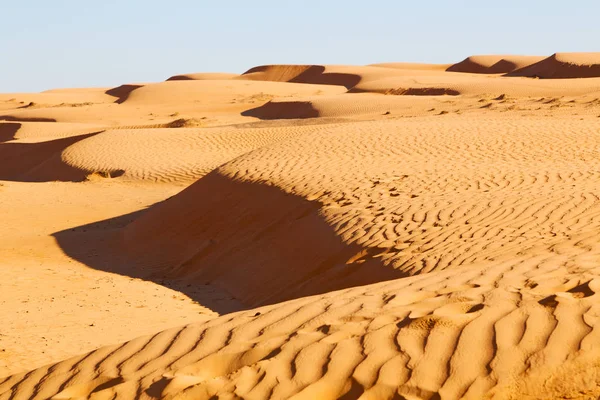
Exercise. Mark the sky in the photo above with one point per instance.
(67, 43)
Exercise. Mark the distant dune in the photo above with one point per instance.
(563, 66)
(492, 64)
(202, 76)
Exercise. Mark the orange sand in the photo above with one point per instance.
(392, 231)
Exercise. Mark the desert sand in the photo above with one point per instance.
(390, 231)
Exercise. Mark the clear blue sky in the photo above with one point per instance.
(76, 43)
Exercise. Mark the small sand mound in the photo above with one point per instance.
(184, 123)
(563, 66)
(493, 64)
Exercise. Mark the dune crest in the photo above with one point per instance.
(202, 76)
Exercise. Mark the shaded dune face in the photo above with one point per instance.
(274, 247)
(39, 162)
(122, 92)
(563, 66)
(8, 131)
(492, 64)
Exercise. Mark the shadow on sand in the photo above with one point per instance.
(251, 240)
(8, 130)
(39, 162)
(283, 110)
(122, 92)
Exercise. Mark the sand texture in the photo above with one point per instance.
(391, 231)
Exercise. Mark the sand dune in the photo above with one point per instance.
(562, 66)
(140, 153)
(413, 66)
(202, 76)
(426, 232)
(493, 64)
(391, 231)
(314, 74)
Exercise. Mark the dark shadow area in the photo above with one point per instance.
(472, 67)
(28, 105)
(122, 92)
(12, 118)
(39, 162)
(317, 75)
(283, 110)
(467, 66)
(253, 241)
(8, 130)
(313, 74)
(554, 68)
(502, 67)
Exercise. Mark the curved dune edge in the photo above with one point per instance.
(493, 64)
(133, 154)
(467, 333)
(563, 66)
(139, 154)
(42, 131)
(122, 92)
(202, 76)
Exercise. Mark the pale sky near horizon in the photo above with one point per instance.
(67, 43)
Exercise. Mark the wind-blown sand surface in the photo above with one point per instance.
(393, 231)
